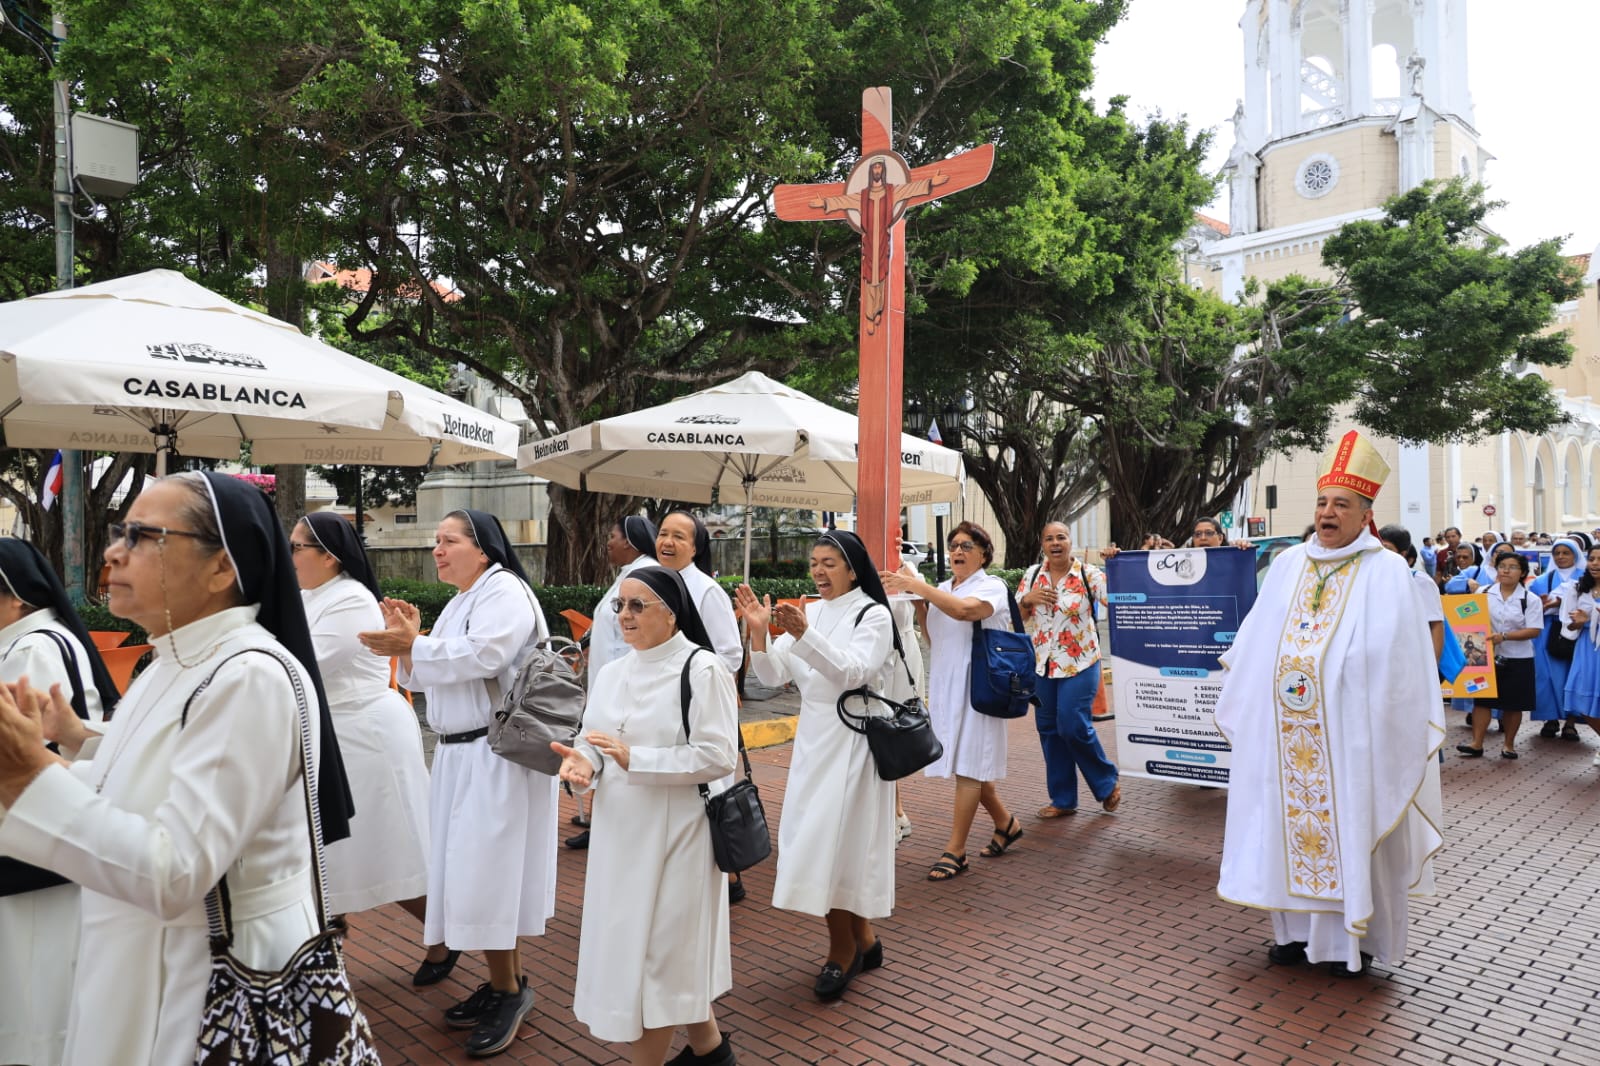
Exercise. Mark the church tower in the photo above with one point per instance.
(1346, 103)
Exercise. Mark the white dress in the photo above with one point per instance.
(906, 681)
(385, 857)
(152, 815)
(654, 946)
(836, 840)
(39, 929)
(492, 861)
(974, 744)
(716, 611)
(605, 636)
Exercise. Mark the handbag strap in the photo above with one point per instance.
(219, 912)
(683, 700)
(79, 703)
(857, 723)
(1016, 615)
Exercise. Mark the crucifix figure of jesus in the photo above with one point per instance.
(874, 200)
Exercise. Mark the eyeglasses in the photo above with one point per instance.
(633, 606)
(131, 533)
(295, 547)
(963, 546)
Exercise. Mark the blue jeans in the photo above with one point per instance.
(1066, 733)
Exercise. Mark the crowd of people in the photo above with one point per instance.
(114, 829)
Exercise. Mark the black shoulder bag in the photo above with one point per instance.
(902, 742)
(739, 836)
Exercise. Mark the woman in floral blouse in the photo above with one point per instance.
(1058, 601)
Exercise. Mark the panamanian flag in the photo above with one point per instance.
(933, 432)
(52, 484)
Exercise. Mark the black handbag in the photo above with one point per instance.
(902, 742)
(739, 834)
(305, 1013)
(1557, 644)
(1002, 668)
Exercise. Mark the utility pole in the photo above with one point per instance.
(72, 486)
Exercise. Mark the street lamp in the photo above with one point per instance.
(1472, 496)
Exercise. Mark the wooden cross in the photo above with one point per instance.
(874, 200)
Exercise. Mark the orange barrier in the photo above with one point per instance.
(120, 662)
(579, 622)
(108, 638)
(799, 602)
(394, 681)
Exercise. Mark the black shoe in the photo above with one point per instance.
(736, 891)
(1469, 751)
(497, 1028)
(872, 958)
(1551, 730)
(721, 1055)
(1339, 969)
(579, 842)
(832, 981)
(470, 1011)
(1290, 954)
(1569, 731)
(431, 973)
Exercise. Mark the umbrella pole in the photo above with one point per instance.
(748, 484)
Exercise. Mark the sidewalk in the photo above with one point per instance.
(1100, 939)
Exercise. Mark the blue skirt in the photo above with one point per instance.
(1550, 679)
(1581, 696)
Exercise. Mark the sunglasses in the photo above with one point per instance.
(296, 547)
(131, 533)
(633, 606)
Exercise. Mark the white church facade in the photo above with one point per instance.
(1347, 103)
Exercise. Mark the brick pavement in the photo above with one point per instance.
(1099, 939)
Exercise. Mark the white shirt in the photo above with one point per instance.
(1524, 610)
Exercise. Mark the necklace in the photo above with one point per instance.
(1323, 577)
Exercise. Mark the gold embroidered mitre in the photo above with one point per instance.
(1354, 464)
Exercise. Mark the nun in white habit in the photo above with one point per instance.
(492, 871)
(836, 840)
(653, 953)
(197, 776)
(385, 858)
(41, 639)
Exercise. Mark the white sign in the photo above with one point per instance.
(941, 510)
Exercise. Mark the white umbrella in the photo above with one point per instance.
(155, 362)
(751, 439)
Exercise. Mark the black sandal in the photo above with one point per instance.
(1569, 732)
(947, 867)
(1551, 730)
(1002, 840)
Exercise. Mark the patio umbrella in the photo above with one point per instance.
(751, 439)
(156, 363)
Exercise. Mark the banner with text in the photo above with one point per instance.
(1173, 613)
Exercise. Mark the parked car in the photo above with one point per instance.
(913, 553)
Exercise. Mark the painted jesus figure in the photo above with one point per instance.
(880, 205)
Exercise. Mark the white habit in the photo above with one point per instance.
(149, 819)
(39, 930)
(836, 840)
(385, 857)
(654, 946)
(974, 744)
(1331, 702)
(492, 868)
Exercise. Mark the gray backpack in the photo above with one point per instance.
(545, 704)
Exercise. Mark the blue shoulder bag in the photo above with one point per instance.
(1002, 668)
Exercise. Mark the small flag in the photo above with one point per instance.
(52, 484)
(933, 432)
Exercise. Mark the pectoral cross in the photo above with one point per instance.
(874, 200)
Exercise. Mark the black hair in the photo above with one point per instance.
(1399, 536)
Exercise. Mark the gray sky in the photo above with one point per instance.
(1532, 71)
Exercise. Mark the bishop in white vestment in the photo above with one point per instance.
(1331, 703)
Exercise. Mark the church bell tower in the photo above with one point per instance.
(1346, 103)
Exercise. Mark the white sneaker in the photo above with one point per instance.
(902, 822)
